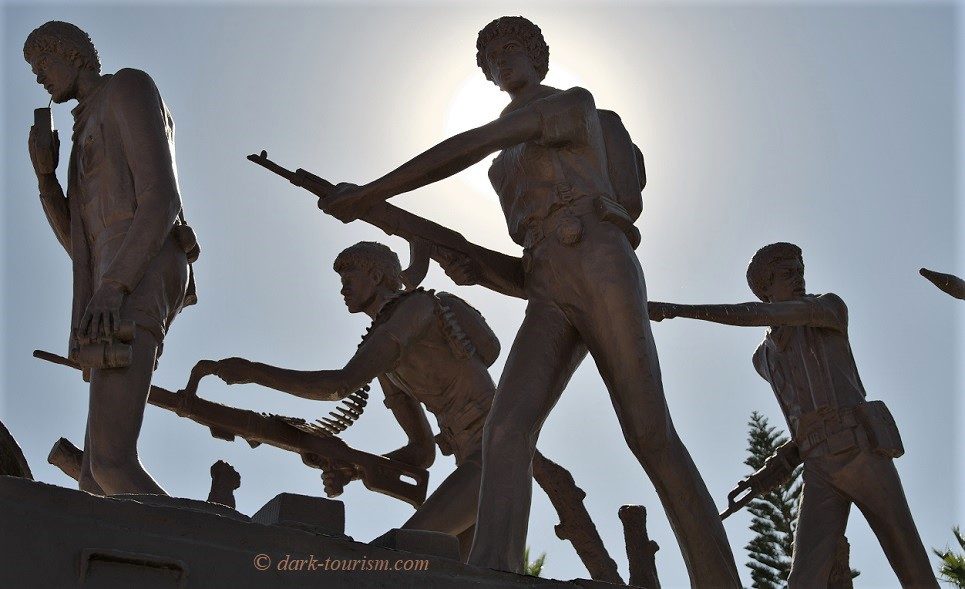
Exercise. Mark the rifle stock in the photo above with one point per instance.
(380, 474)
(777, 469)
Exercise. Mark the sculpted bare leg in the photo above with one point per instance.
(544, 355)
(452, 507)
(117, 400)
(87, 482)
(626, 356)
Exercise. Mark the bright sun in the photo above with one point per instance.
(477, 101)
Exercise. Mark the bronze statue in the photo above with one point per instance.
(122, 227)
(948, 283)
(425, 348)
(569, 180)
(846, 442)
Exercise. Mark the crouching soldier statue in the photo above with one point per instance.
(846, 442)
(425, 348)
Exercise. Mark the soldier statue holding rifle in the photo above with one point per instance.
(425, 348)
(846, 442)
(569, 181)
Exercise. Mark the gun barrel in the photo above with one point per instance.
(67, 457)
(381, 474)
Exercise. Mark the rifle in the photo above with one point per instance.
(777, 469)
(426, 238)
(317, 447)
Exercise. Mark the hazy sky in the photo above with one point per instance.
(829, 125)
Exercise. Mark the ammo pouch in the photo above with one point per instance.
(187, 240)
(880, 428)
(613, 212)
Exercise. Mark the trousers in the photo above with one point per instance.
(589, 296)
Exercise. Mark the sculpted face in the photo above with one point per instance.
(57, 76)
(509, 63)
(359, 287)
(787, 280)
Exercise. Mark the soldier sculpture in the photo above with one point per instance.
(846, 442)
(569, 181)
(122, 227)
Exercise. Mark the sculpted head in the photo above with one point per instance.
(776, 272)
(510, 51)
(367, 269)
(58, 52)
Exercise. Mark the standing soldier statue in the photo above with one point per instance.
(122, 227)
(846, 442)
(569, 182)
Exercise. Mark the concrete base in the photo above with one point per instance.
(313, 514)
(420, 542)
(57, 537)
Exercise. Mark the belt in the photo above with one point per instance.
(563, 221)
(827, 431)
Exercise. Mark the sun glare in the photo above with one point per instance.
(475, 102)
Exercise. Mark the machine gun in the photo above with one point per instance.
(426, 238)
(777, 469)
(317, 446)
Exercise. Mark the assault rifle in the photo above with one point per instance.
(426, 238)
(777, 469)
(317, 447)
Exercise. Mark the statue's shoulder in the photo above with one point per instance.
(131, 84)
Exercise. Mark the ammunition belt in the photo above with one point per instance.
(828, 431)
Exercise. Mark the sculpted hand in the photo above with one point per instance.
(202, 369)
(336, 475)
(233, 370)
(462, 269)
(103, 314)
(44, 151)
(347, 202)
(225, 475)
(660, 311)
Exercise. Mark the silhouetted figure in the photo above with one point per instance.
(569, 180)
(122, 227)
(847, 443)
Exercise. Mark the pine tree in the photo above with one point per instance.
(774, 514)
(775, 518)
(952, 568)
(534, 568)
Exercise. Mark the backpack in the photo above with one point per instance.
(624, 164)
(474, 326)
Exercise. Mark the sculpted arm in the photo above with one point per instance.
(144, 133)
(420, 450)
(44, 155)
(55, 207)
(378, 354)
(826, 311)
(457, 153)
